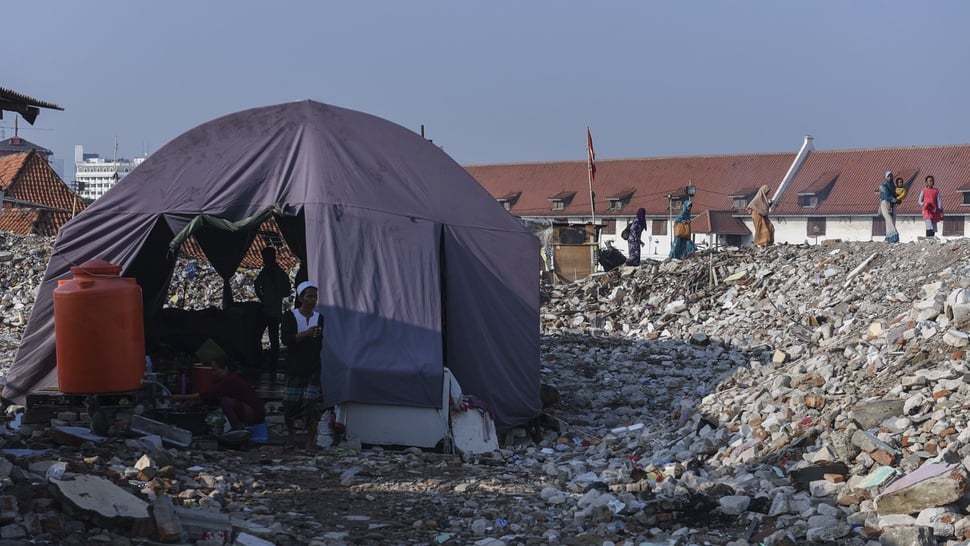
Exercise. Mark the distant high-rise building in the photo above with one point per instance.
(94, 175)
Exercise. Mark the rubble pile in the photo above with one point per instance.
(790, 395)
(811, 394)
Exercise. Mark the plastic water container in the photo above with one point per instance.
(99, 332)
(202, 378)
(260, 433)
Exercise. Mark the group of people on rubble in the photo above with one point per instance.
(892, 191)
(891, 194)
(301, 330)
(683, 247)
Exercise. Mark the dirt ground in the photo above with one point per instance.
(390, 497)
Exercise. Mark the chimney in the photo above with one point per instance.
(796, 166)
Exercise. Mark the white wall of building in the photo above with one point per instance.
(93, 175)
(787, 231)
(848, 228)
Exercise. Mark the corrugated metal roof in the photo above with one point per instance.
(19, 98)
(28, 107)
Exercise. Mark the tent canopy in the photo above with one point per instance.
(418, 266)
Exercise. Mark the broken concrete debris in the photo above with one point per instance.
(791, 395)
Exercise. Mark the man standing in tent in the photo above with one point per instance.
(272, 285)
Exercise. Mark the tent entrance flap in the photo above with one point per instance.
(223, 241)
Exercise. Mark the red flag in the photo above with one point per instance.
(591, 155)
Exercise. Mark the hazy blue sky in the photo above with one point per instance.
(503, 81)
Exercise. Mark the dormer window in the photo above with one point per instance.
(741, 198)
(561, 200)
(818, 190)
(808, 200)
(965, 196)
(508, 200)
(620, 199)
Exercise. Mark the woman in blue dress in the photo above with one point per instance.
(683, 248)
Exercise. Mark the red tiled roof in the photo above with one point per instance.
(745, 192)
(844, 182)
(32, 221)
(27, 177)
(716, 179)
(860, 172)
(821, 184)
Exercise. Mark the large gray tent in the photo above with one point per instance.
(418, 266)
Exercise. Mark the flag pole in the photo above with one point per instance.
(590, 172)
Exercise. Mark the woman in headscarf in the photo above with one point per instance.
(302, 330)
(932, 206)
(887, 197)
(633, 238)
(764, 231)
(683, 248)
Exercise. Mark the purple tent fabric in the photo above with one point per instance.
(418, 266)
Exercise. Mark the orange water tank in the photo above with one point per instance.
(98, 331)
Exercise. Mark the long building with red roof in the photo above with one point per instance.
(824, 195)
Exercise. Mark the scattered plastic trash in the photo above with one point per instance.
(616, 505)
(56, 470)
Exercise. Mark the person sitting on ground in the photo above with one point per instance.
(232, 394)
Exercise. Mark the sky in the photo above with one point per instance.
(502, 81)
